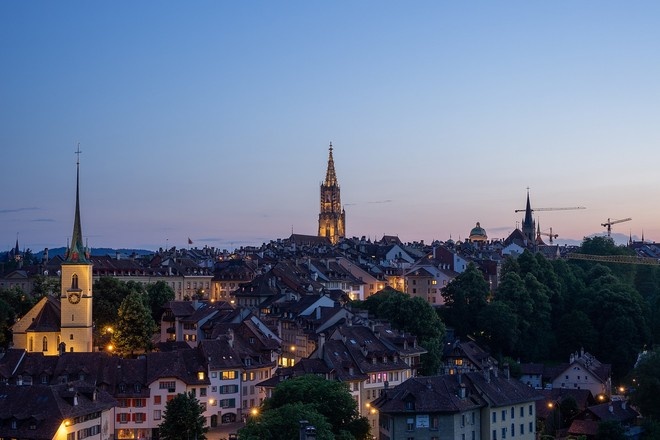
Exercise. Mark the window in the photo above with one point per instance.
(531, 427)
(157, 400)
(494, 434)
(435, 422)
(202, 392)
(30, 344)
(229, 375)
(214, 374)
(200, 375)
(503, 415)
(522, 412)
(139, 403)
(156, 414)
(71, 436)
(74, 281)
(228, 403)
(503, 433)
(44, 344)
(513, 430)
(140, 417)
(522, 428)
(494, 417)
(170, 386)
(530, 410)
(463, 420)
(513, 413)
(410, 424)
(123, 417)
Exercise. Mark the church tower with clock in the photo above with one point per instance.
(332, 219)
(76, 291)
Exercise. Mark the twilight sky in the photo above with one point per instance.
(211, 120)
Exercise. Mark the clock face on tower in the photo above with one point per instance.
(74, 297)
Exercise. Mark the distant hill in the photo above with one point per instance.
(95, 251)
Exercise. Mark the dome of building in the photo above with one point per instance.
(478, 233)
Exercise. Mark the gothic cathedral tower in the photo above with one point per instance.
(332, 219)
(528, 224)
(76, 294)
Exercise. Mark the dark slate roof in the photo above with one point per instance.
(9, 361)
(433, 394)
(49, 317)
(45, 407)
(500, 390)
(618, 411)
(182, 364)
(339, 359)
(220, 354)
(532, 369)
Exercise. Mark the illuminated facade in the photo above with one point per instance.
(332, 218)
(76, 291)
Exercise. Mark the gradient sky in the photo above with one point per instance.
(211, 120)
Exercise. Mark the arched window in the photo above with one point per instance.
(44, 344)
(58, 340)
(74, 281)
(31, 344)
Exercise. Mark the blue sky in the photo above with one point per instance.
(211, 120)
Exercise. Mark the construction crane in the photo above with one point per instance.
(549, 234)
(610, 222)
(553, 209)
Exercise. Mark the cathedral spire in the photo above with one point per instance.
(77, 253)
(330, 176)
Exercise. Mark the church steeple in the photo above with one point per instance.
(77, 253)
(332, 217)
(528, 222)
(330, 175)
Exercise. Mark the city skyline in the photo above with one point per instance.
(211, 121)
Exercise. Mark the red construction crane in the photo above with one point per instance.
(610, 222)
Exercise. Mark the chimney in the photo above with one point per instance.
(462, 391)
(318, 313)
(230, 337)
(117, 255)
(45, 258)
(321, 344)
(487, 374)
(495, 372)
(610, 408)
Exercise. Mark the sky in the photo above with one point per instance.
(211, 120)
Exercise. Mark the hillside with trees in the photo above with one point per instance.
(542, 310)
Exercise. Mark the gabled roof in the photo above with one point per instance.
(49, 317)
(618, 411)
(500, 390)
(433, 394)
(45, 408)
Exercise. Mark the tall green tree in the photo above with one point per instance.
(135, 327)
(465, 296)
(499, 325)
(283, 423)
(108, 295)
(329, 398)
(159, 294)
(647, 390)
(183, 419)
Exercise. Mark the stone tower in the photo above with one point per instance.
(528, 224)
(76, 291)
(332, 218)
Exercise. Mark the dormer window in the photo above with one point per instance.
(13, 424)
(410, 405)
(200, 375)
(137, 387)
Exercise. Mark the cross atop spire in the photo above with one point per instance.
(77, 253)
(330, 175)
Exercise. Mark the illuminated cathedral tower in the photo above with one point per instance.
(76, 291)
(332, 219)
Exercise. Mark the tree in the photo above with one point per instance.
(108, 295)
(412, 315)
(647, 378)
(134, 327)
(329, 398)
(283, 423)
(500, 327)
(464, 298)
(183, 419)
(159, 293)
(610, 430)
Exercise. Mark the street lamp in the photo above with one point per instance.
(552, 404)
